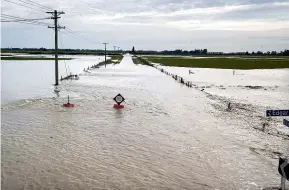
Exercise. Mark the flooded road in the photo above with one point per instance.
(167, 137)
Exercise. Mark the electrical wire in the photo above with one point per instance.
(79, 36)
(32, 23)
(19, 20)
(9, 18)
(62, 46)
(74, 36)
(40, 10)
(37, 4)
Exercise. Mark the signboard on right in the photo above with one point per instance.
(277, 113)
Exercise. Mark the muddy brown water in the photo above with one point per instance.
(168, 136)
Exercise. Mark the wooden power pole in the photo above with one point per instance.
(55, 17)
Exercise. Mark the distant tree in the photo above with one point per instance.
(205, 51)
(273, 53)
(259, 53)
(132, 51)
(286, 52)
(247, 53)
(268, 52)
(178, 51)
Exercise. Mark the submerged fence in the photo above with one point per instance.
(177, 78)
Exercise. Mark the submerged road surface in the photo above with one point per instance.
(167, 137)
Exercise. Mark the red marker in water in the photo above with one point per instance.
(69, 105)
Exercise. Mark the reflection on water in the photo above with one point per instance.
(57, 91)
(167, 137)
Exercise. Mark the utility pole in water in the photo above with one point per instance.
(105, 53)
(55, 16)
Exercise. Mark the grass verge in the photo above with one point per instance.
(114, 59)
(139, 60)
(118, 57)
(222, 63)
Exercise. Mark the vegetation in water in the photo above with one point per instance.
(140, 60)
(114, 59)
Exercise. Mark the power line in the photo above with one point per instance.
(28, 22)
(35, 5)
(11, 18)
(76, 34)
(25, 6)
(65, 63)
(71, 34)
(32, 23)
(44, 6)
(14, 17)
(19, 20)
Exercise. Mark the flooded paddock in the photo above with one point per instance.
(168, 136)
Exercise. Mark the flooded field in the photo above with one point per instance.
(168, 136)
(34, 79)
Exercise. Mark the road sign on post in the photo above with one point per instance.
(286, 122)
(118, 99)
(277, 113)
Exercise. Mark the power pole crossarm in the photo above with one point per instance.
(55, 17)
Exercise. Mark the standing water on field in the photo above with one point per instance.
(168, 136)
(22, 80)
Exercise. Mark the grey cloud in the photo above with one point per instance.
(144, 24)
(270, 11)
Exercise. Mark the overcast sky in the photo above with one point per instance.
(218, 25)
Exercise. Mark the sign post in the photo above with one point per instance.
(283, 167)
(118, 99)
(283, 170)
(286, 122)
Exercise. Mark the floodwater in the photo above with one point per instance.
(271, 86)
(168, 136)
(35, 79)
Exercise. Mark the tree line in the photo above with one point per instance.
(51, 51)
(205, 52)
(139, 52)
